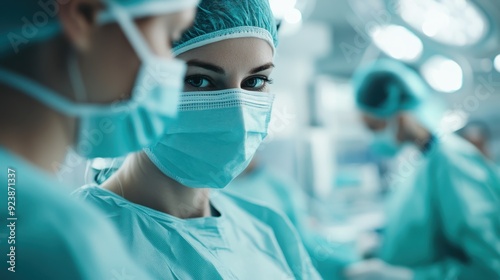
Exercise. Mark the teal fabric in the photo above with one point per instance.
(384, 142)
(214, 137)
(444, 218)
(262, 185)
(56, 236)
(223, 19)
(246, 241)
(385, 87)
(118, 128)
(26, 21)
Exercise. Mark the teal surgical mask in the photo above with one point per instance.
(114, 130)
(384, 142)
(214, 138)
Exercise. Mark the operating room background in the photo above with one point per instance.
(315, 62)
(316, 137)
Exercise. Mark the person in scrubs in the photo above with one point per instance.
(165, 200)
(67, 73)
(443, 219)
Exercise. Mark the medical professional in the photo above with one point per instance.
(164, 200)
(86, 74)
(443, 219)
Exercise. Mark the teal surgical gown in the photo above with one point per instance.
(246, 241)
(47, 234)
(444, 216)
(260, 184)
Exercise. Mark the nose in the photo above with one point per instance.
(233, 81)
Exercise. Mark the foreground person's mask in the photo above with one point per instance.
(214, 138)
(113, 130)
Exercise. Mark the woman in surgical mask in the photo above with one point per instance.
(165, 199)
(88, 75)
(443, 218)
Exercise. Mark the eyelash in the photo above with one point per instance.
(265, 79)
(212, 84)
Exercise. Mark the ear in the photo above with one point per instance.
(78, 20)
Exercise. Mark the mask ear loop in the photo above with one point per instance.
(75, 77)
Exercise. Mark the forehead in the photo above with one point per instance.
(233, 53)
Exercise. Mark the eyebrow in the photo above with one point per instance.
(262, 68)
(220, 70)
(207, 66)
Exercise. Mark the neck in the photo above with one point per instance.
(141, 182)
(30, 129)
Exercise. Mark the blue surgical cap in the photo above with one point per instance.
(218, 20)
(27, 21)
(385, 87)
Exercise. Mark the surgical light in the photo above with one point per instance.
(496, 63)
(443, 74)
(397, 42)
(453, 22)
